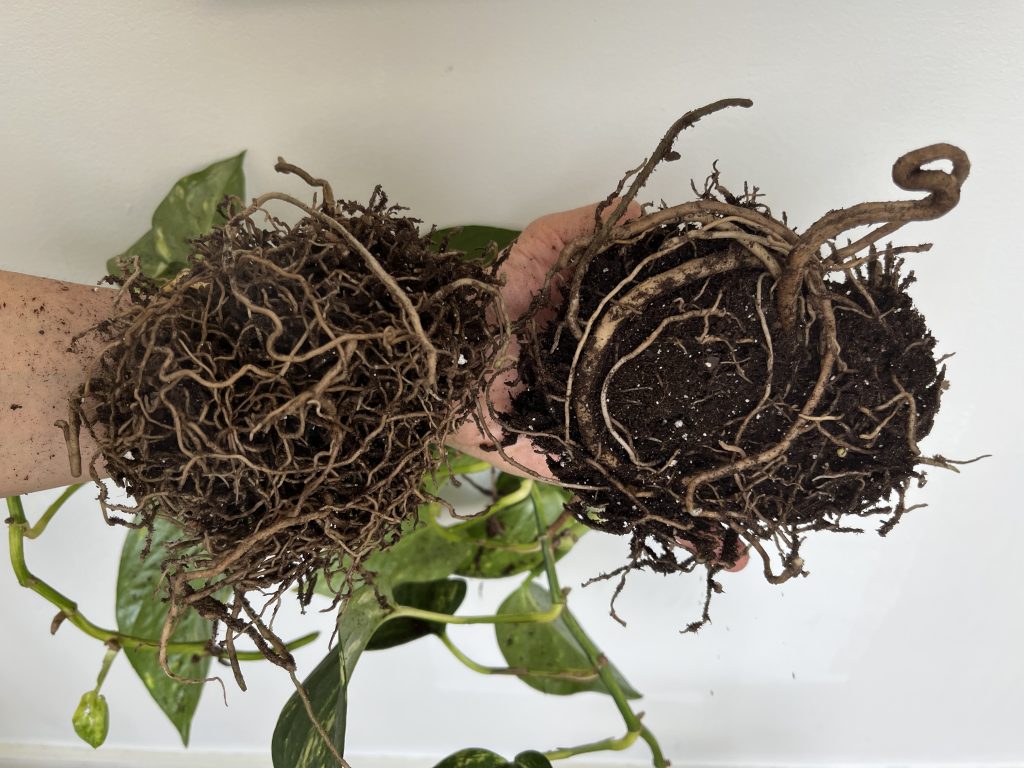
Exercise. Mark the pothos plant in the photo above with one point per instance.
(412, 590)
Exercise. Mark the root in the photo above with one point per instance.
(908, 173)
(721, 320)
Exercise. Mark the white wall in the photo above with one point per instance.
(896, 651)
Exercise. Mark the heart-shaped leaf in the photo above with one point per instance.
(141, 611)
(531, 759)
(92, 719)
(507, 539)
(190, 209)
(548, 647)
(475, 757)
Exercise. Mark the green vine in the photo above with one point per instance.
(18, 530)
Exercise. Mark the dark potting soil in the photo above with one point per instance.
(710, 391)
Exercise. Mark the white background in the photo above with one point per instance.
(905, 650)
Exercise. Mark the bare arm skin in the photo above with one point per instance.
(38, 318)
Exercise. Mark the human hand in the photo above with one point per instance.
(531, 257)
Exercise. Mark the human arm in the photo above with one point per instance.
(39, 317)
(38, 372)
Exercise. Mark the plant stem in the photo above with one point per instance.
(40, 526)
(656, 755)
(614, 744)
(17, 527)
(541, 617)
(599, 661)
(578, 675)
(108, 659)
(452, 533)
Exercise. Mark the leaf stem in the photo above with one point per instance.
(540, 617)
(108, 659)
(453, 532)
(614, 744)
(578, 675)
(18, 525)
(656, 754)
(599, 661)
(36, 530)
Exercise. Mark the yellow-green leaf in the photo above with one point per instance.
(547, 647)
(92, 719)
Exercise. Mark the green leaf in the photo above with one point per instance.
(507, 539)
(473, 758)
(92, 719)
(189, 210)
(483, 758)
(444, 596)
(296, 741)
(464, 464)
(426, 553)
(141, 611)
(531, 759)
(547, 647)
(472, 239)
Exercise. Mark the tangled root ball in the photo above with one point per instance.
(281, 400)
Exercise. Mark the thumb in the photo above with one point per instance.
(580, 222)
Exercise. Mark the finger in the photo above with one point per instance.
(741, 563)
(740, 556)
(538, 248)
(580, 222)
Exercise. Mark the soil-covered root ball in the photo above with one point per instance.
(281, 401)
(713, 379)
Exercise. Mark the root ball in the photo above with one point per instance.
(281, 400)
(716, 380)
